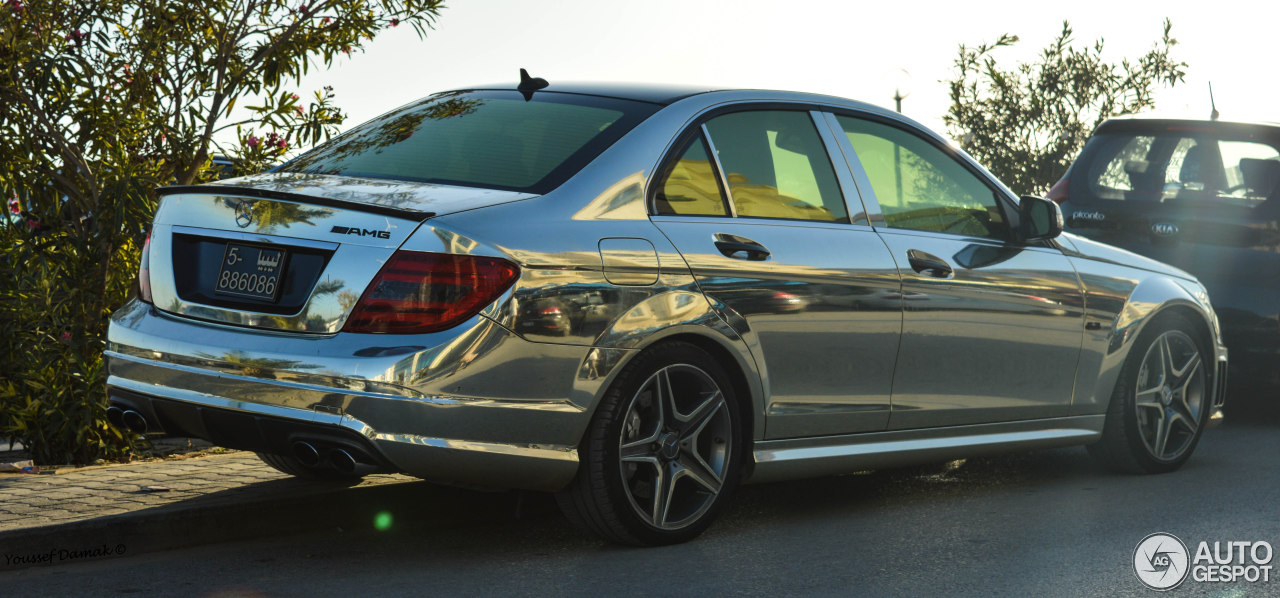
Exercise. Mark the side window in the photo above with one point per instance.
(1252, 170)
(776, 166)
(920, 187)
(691, 188)
(1242, 173)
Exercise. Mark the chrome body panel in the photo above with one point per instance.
(778, 460)
(281, 223)
(976, 343)
(827, 339)
(822, 315)
(1121, 301)
(422, 402)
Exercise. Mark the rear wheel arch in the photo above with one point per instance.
(748, 400)
(748, 394)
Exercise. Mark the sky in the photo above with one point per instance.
(848, 49)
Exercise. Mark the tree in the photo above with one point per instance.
(101, 101)
(1027, 123)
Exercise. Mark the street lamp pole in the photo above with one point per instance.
(901, 89)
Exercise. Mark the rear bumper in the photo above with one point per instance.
(477, 404)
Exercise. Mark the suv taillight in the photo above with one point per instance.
(144, 272)
(1058, 192)
(418, 292)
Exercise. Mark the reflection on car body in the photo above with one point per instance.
(639, 297)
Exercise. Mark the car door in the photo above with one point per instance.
(753, 203)
(991, 327)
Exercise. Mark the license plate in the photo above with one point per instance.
(251, 271)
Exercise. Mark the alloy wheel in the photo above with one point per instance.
(1170, 395)
(675, 445)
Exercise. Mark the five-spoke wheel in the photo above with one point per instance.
(674, 447)
(1161, 403)
(663, 450)
(1170, 394)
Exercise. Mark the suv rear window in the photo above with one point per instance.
(1176, 166)
(491, 139)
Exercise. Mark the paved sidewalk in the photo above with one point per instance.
(234, 477)
(108, 511)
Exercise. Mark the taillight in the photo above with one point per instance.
(1058, 192)
(418, 292)
(144, 272)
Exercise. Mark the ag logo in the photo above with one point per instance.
(244, 214)
(1160, 561)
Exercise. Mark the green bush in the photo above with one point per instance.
(101, 101)
(53, 398)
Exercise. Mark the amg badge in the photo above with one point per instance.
(361, 232)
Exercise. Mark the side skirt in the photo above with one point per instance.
(830, 455)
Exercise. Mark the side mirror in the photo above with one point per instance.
(1041, 218)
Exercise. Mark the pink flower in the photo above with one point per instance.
(395, 22)
(252, 141)
(282, 144)
(298, 109)
(324, 21)
(294, 97)
(66, 337)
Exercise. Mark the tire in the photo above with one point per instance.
(662, 453)
(294, 467)
(1160, 405)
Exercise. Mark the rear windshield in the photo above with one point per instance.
(1182, 166)
(492, 139)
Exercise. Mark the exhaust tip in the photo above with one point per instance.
(342, 461)
(306, 453)
(115, 415)
(134, 421)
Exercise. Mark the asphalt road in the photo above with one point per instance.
(1048, 523)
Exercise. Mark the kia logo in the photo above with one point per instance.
(1164, 229)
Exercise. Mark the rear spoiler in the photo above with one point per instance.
(415, 215)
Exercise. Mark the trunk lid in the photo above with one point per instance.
(287, 252)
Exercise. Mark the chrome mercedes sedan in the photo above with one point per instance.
(640, 297)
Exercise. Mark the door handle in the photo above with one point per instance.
(731, 245)
(929, 264)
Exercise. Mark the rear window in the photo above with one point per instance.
(492, 139)
(1171, 166)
